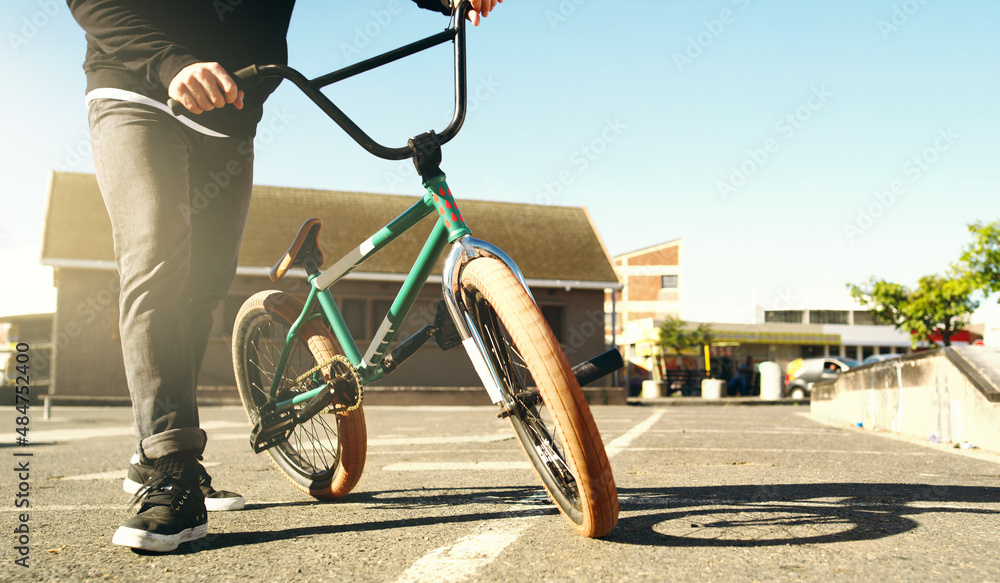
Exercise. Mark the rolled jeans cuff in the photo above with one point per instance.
(184, 441)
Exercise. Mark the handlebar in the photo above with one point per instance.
(254, 74)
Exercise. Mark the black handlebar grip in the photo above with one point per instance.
(247, 77)
(597, 367)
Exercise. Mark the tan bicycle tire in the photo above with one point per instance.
(494, 282)
(352, 432)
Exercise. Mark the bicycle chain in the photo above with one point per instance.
(345, 369)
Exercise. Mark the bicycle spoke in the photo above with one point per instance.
(516, 377)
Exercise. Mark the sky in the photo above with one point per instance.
(794, 146)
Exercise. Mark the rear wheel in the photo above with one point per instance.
(324, 456)
(551, 418)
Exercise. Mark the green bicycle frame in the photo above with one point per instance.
(449, 227)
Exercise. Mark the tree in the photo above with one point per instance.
(980, 262)
(938, 306)
(701, 336)
(673, 333)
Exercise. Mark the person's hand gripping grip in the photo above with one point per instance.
(202, 87)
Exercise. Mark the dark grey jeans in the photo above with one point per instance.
(178, 202)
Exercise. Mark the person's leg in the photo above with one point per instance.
(141, 158)
(221, 181)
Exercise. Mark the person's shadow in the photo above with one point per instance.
(707, 516)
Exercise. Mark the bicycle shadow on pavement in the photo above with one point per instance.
(516, 501)
(786, 514)
(424, 498)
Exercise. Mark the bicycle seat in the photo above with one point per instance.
(305, 246)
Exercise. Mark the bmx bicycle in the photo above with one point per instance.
(301, 377)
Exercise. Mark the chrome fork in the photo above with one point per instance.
(463, 250)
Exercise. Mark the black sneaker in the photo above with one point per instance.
(215, 500)
(171, 509)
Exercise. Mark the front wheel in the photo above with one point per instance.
(325, 455)
(550, 416)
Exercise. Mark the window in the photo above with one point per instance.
(554, 317)
(828, 317)
(353, 312)
(668, 281)
(784, 316)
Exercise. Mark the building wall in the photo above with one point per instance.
(87, 347)
(643, 295)
(664, 256)
(89, 360)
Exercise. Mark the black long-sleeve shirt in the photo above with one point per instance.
(140, 46)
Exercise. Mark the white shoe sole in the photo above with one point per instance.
(157, 543)
(211, 504)
(131, 486)
(224, 504)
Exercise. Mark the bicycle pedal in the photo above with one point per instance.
(273, 428)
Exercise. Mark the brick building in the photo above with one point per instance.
(563, 259)
(651, 287)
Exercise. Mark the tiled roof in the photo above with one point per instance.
(563, 244)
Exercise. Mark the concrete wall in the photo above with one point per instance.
(934, 392)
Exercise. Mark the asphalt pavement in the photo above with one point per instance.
(707, 493)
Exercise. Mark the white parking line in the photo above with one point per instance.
(115, 474)
(452, 466)
(461, 560)
(623, 441)
(752, 449)
(750, 431)
(56, 435)
(112, 475)
(435, 440)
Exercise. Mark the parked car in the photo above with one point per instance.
(802, 373)
(880, 358)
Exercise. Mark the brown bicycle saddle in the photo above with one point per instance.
(305, 245)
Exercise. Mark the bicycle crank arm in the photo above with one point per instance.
(275, 426)
(597, 367)
(322, 401)
(407, 347)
